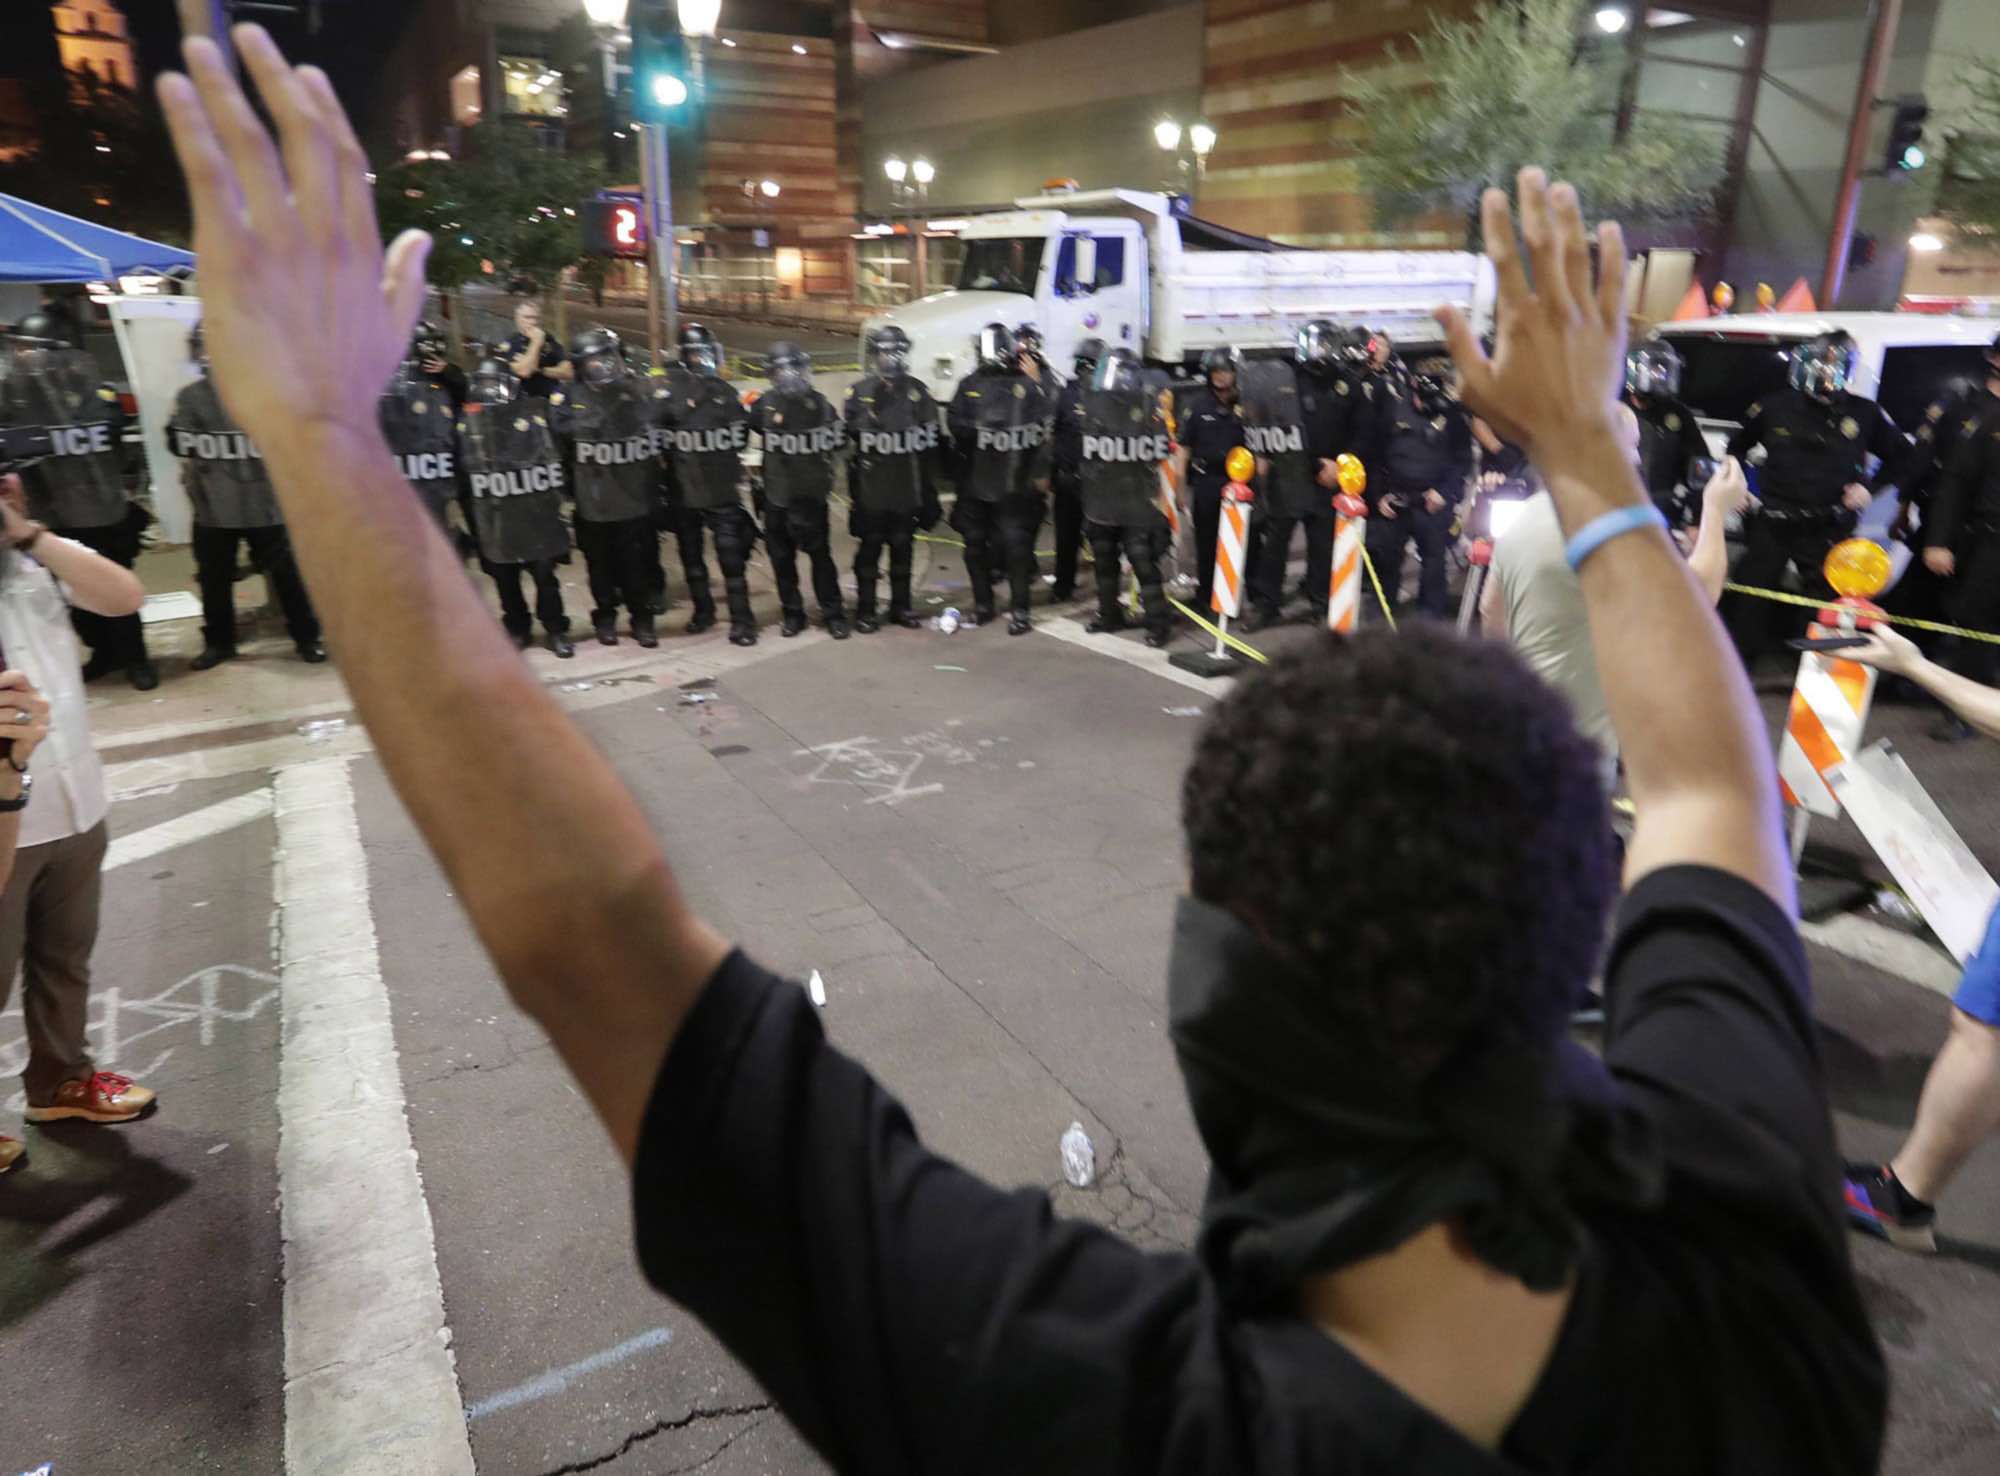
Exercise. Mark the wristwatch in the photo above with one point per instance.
(19, 801)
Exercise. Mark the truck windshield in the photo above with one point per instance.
(1723, 377)
(1001, 264)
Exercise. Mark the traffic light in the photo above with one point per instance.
(659, 61)
(1906, 136)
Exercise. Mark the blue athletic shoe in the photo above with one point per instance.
(1878, 1205)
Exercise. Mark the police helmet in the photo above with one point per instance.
(41, 330)
(997, 346)
(492, 383)
(889, 351)
(1653, 368)
(1028, 337)
(599, 355)
(1087, 354)
(1428, 390)
(789, 366)
(700, 353)
(427, 341)
(1320, 343)
(1117, 372)
(1822, 366)
(1213, 362)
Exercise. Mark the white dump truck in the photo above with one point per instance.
(1124, 266)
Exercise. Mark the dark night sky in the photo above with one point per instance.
(355, 36)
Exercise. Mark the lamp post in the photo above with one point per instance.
(1188, 148)
(909, 193)
(607, 17)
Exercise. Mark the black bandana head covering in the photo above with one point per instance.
(1323, 1153)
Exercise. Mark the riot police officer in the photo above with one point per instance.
(999, 424)
(514, 481)
(1813, 485)
(419, 415)
(1670, 439)
(1124, 439)
(1028, 339)
(679, 380)
(802, 433)
(234, 502)
(707, 431)
(434, 363)
(1211, 427)
(1423, 455)
(893, 436)
(1066, 466)
(608, 415)
(79, 491)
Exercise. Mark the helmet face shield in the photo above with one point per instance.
(996, 346)
(701, 358)
(790, 368)
(1116, 373)
(1824, 366)
(1318, 344)
(1653, 369)
(493, 384)
(601, 369)
(889, 352)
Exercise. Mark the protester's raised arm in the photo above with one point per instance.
(552, 858)
(1696, 753)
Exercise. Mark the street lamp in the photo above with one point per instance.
(770, 187)
(1203, 138)
(1611, 19)
(607, 13)
(896, 169)
(923, 172)
(1167, 134)
(1189, 147)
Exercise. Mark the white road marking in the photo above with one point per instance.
(370, 1383)
(182, 830)
(1146, 658)
(1907, 957)
(555, 1380)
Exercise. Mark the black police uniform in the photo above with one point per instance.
(1946, 422)
(1065, 469)
(611, 435)
(1124, 439)
(515, 482)
(419, 417)
(893, 436)
(1210, 429)
(1670, 441)
(1814, 449)
(79, 490)
(706, 430)
(801, 433)
(538, 385)
(1418, 449)
(1966, 520)
(234, 503)
(999, 425)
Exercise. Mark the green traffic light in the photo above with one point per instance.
(668, 90)
(1914, 157)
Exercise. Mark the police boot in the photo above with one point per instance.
(1157, 636)
(211, 657)
(836, 626)
(794, 621)
(607, 630)
(703, 601)
(742, 620)
(643, 632)
(560, 643)
(1018, 624)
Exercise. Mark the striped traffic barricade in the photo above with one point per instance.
(1350, 520)
(1232, 541)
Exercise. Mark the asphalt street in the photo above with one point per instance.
(973, 839)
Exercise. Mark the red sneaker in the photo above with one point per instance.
(104, 1097)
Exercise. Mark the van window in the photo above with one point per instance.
(1724, 377)
(1915, 376)
(1110, 265)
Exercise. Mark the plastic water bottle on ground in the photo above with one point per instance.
(1079, 1159)
(949, 621)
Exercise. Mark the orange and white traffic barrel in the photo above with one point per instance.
(1232, 538)
(1830, 699)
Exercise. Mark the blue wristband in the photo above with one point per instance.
(1599, 531)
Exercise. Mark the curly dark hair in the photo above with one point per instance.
(1415, 819)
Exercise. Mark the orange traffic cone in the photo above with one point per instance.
(1798, 298)
(1693, 306)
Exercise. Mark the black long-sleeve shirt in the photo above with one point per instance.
(1968, 498)
(1815, 448)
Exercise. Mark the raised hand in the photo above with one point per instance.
(306, 316)
(1559, 349)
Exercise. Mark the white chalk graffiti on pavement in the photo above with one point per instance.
(886, 772)
(120, 1024)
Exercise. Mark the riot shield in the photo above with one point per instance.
(516, 479)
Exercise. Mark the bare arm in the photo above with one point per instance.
(1726, 493)
(523, 364)
(564, 371)
(1894, 653)
(1492, 606)
(1703, 783)
(555, 863)
(17, 694)
(95, 583)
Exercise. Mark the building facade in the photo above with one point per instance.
(92, 38)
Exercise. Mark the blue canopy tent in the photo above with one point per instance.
(42, 245)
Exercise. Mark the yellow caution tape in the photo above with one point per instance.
(1215, 630)
(1936, 627)
(1376, 580)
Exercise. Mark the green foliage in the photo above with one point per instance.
(503, 201)
(104, 155)
(1470, 102)
(1968, 195)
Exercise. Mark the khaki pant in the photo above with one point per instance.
(48, 927)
